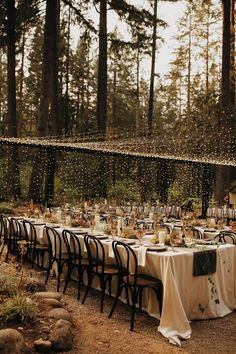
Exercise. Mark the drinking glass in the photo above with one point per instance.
(175, 239)
(113, 230)
(140, 234)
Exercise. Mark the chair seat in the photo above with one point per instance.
(83, 262)
(142, 280)
(40, 247)
(108, 269)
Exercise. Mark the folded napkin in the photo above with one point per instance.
(204, 262)
(142, 252)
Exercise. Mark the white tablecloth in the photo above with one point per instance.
(186, 297)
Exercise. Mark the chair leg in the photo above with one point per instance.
(140, 295)
(87, 288)
(103, 288)
(68, 276)
(118, 292)
(42, 257)
(159, 296)
(127, 295)
(134, 300)
(48, 271)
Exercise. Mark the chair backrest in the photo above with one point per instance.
(73, 245)
(15, 228)
(196, 233)
(126, 260)
(226, 237)
(30, 231)
(96, 252)
(55, 242)
(4, 225)
(168, 227)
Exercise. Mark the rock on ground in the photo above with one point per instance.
(59, 313)
(11, 341)
(61, 336)
(52, 302)
(48, 294)
(42, 346)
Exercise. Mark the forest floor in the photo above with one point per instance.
(94, 333)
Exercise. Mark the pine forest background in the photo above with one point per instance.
(92, 85)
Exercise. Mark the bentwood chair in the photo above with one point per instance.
(57, 253)
(130, 279)
(34, 248)
(16, 235)
(75, 259)
(196, 233)
(98, 267)
(226, 237)
(5, 234)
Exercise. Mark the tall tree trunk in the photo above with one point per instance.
(137, 94)
(66, 127)
(189, 68)
(227, 97)
(13, 153)
(1, 98)
(152, 77)
(20, 107)
(207, 56)
(232, 56)
(102, 70)
(48, 115)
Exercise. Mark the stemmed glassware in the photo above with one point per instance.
(175, 239)
(113, 230)
(92, 224)
(140, 234)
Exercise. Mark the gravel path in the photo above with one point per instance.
(95, 333)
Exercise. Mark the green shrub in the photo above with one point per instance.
(8, 286)
(18, 309)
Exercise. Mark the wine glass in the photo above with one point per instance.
(140, 235)
(92, 224)
(174, 239)
(113, 230)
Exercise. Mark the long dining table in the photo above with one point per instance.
(186, 297)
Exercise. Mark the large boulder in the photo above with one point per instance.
(42, 346)
(52, 302)
(48, 294)
(11, 341)
(59, 314)
(61, 336)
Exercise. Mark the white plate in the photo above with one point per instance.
(128, 242)
(157, 248)
(101, 237)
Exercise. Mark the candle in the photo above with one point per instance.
(68, 220)
(162, 236)
(151, 216)
(119, 226)
(59, 215)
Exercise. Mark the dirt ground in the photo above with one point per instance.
(95, 333)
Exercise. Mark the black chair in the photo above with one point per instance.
(98, 267)
(16, 236)
(196, 233)
(75, 259)
(168, 227)
(226, 237)
(5, 234)
(56, 244)
(34, 248)
(133, 281)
